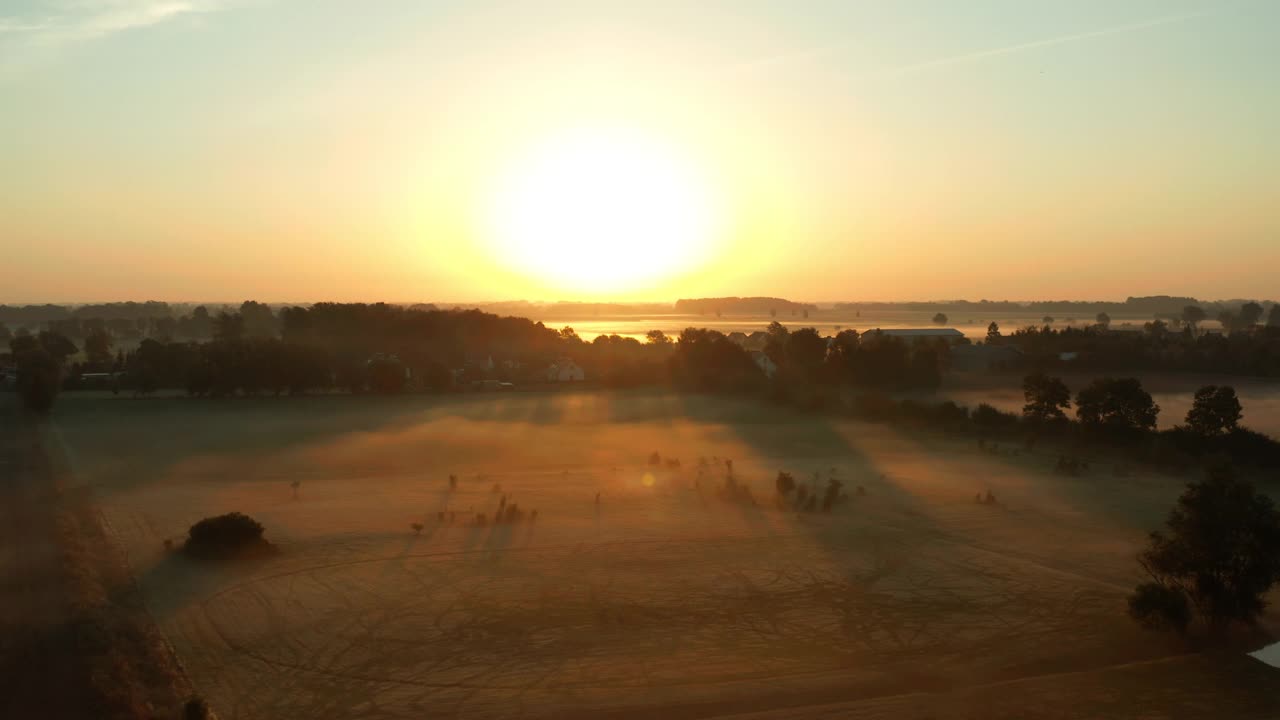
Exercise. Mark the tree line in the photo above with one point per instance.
(1244, 348)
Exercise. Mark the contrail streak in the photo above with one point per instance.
(818, 52)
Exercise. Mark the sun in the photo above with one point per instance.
(603, 211)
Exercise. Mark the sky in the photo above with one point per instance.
(291, 150)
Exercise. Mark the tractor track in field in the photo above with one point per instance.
(390, 611)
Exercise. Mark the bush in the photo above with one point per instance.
(1160, 607)
(225, 537)
(195, 709)
(988, 419)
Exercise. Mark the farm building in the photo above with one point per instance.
(912, 335)
(565, 370)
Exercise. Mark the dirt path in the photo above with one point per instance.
(75, 638)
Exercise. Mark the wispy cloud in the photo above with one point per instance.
(58, 24)
(15, 26)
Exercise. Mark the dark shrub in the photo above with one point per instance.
(225, 537)
(195, 709)
(785, 483)
(988, 419)
(832, 495)
(1160, 607)
(1254, 448)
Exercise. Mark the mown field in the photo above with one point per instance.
(657, 598)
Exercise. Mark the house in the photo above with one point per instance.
(565, 370)
(737, 337)
(913, 335)
(985, 357)
(756, 340)
(766, 365)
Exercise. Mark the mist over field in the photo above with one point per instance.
(638, 585)
(625, 360)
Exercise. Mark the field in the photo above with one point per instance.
(637, 591)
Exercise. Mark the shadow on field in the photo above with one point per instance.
(144, 438)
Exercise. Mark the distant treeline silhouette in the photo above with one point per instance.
(742, 306)
(1247, 349)
(389, 349)
(1150, 306)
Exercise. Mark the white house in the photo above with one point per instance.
(762, 361)
(565, 370)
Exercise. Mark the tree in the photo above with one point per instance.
(39, 377)
(657, 337)
(940, 319)
(1103, 319)
(1273, 317)
(993, 331)
(1250, 314)
(805, 351)
(1227, 319)
(200, 324)
(228, 327)
(57, 345)
(1220, 550)
(258, 320)
(785, 483)
(386, 374)
(6, 335)
(1116, 404)
(97, 347)
(1047, 319)
(775, 345)
(1215, 410)
(1193, 315)
(225, 536)
(1046, 398)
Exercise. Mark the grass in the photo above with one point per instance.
(657, 594)
(91, 641)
